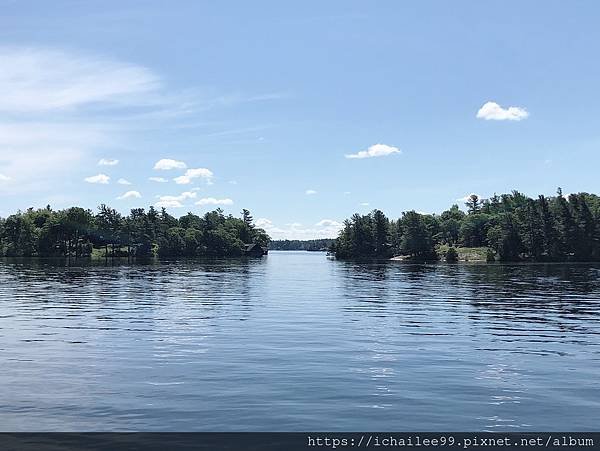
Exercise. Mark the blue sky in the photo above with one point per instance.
(265, 103)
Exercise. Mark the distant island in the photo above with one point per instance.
(510, 227)
(301, 245)
(77, 232)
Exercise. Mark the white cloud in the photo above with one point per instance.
(43, 93)
(310, 192)
(263, 223)
(325, 228)
(364, 204)
(108, 162)
(102, 179)
(188, 195)
(376, 150)
(191, 174)
(232, 182)
(175, 201)
(213, 201)
(328, 223)
(183, 196)
(158, 179)
(493, 111)
(130, 195)
(4, 178)
(41, 79)
(168, 204)
(346, 193)
(167, 164)
(123, 182)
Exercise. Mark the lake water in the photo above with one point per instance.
(297, 342)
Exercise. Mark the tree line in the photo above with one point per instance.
(76, 232)
(513, 227)
(301, 245)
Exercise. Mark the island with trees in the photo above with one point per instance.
(321, 244)
(78, 233)
(510, 227)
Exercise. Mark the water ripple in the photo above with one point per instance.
(298, 342)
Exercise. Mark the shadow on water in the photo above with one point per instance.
(99, 285)
(563, 296)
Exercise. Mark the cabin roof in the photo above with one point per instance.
(254, 247)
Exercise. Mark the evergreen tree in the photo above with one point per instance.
(381, 231)
(551, 244)
(416, 239)
(473, 204)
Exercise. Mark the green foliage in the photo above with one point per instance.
(417, 240)
(451, 255)
(75, 232)
(301, 245)
(512, 226)
(364, 236)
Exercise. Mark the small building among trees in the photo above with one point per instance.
(255, 250)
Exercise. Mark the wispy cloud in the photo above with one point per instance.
(493, 111)
(4, 178)
(130, 195)
(158, 179)
(328, 223)
(108, 162)
(213, 201)
(102, 179)
(310, 192)
(37, 79)
(123, 182)
(32, 153)
(376, 150)
(166, 164)
(59, 107)
(192, 174)
(51, 97)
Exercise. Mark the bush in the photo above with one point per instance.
(451, 255)
(490, 257)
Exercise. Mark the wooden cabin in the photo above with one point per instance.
(255, 250)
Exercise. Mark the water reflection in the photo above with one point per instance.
(297, 342)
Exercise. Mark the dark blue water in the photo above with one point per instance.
(298, 342)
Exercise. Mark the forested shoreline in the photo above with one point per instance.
(509, 227)
(321, 244)
(80, 233)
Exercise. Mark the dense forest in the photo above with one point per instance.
(301, 245)
(510, 227)
(77, 232)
